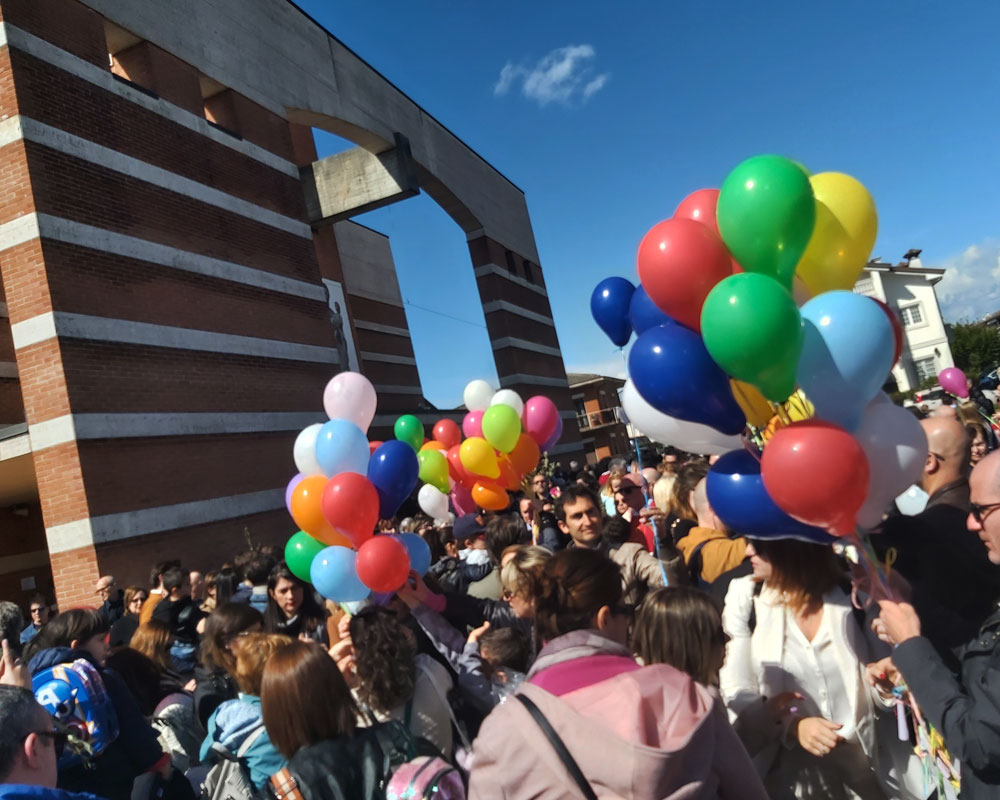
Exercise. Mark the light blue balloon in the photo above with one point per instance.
(342, 446)
(334, 575)
(419, 551)
(846, 356)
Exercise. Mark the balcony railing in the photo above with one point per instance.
(598, 419)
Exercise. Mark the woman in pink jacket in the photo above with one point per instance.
(615, 729)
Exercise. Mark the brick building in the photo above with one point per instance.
(599, 417)
(181, 276)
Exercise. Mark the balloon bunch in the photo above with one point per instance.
(344, 486)
(724, 348)
(504, 440)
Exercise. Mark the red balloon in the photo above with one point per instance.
(350, 504)
(373, 446)
(457, 470)
(680, 261)
(817, 473)
(700, 207)
(383, 564)
(448, 433)
(897, 330)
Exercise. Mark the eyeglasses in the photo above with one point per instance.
(58, 739)
(980, 513)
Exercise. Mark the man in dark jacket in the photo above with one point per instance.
(952, 580)
(965, 708)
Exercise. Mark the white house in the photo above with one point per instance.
(908, 289)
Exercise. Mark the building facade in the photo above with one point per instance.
(181, 275)
(908, 289)
(599, 416)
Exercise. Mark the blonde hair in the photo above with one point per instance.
(968, 414)
(661, 491)
(519, 576)
(153, 639)
(252, 654)
(616, 474)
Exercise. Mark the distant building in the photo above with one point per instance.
(599, 415)
(908, 289)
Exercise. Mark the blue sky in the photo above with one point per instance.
(608, 114)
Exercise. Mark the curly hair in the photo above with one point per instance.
(384, 651)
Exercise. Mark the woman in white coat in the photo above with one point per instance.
(794, 679)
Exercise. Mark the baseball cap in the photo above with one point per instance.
(634, 478)
(467, 527)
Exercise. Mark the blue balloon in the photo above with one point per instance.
(644, 314)
(847, 351)
(334, 575)
(609, 305)
(393, 470)
(737, 495)
(419, 551)
(674, 373)
(342, 446)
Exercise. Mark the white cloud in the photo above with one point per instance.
(559, 76)
(970, 287)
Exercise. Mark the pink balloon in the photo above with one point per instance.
(350, 396)
(540, 418)
(472, 425)
(556, 435)
(700, 207)
(953, 381)
(461, 500)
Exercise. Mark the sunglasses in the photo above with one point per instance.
(979, 513)
(58, 739)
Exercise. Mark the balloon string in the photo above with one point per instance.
(872, 566)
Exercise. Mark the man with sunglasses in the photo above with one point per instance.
(953, 583)
(964, 707)
(29, 749)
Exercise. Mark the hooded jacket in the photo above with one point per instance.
(720, 553)
(135, 751)
(230, 725)
(645, 733)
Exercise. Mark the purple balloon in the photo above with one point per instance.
(952, 380)
(291, 488)
(555, 437)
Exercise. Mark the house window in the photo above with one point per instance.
(911, 315)
(926, 368)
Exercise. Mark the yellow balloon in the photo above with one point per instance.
(844, 234)
(754, 405)
(798, 406)
(477, 456)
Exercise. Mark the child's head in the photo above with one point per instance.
(681, 626)
(505, 648)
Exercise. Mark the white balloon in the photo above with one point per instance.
(433, 502)
(304, 451)
(477, 395)
(896, 447)
(912, 501)
(508, 397)
(690, 436)
(351, 396)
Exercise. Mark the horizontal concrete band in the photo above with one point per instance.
(569, 447)
(493, 269)
(127, 524)
(57, 57)
(523, 344)
(8, 369)
(536, 380)
(385, 388)
(80, 427)
(19, 127)
(23, 561)
(61, 324)
(385, 358)
(45, 226)
(378, 327)
(15, 447)
(505, 305)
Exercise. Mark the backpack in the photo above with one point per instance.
(448, 573)
(230, 778)
(75, 695)
(424, 778)
(695, 564)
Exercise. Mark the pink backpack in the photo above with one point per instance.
(423, 778)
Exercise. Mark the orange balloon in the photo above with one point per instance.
(525, 454)
(331, 536)
(305, 505)
(488, 495)
(434, 444)
(509, 478)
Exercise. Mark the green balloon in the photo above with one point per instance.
(501, 427)
(766, 213)
(300, 552)
(409, 429)
(752, 329)
(434, 469)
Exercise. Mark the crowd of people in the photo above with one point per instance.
(606, 636)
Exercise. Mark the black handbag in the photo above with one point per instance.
(559, 746)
